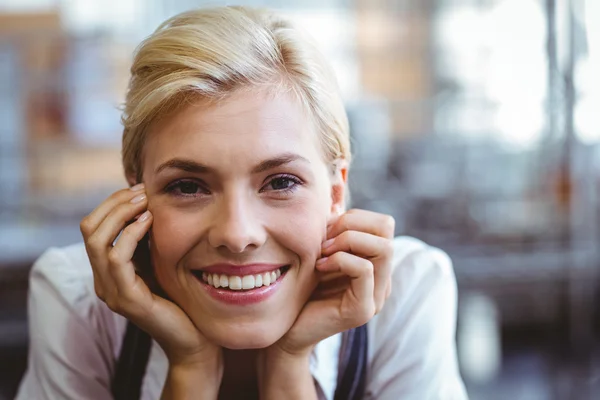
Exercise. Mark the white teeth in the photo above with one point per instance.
(266, 279)
(241, 282)
(224, 281)
(248, 282)
(235, 283)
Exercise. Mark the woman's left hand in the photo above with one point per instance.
(355, 280)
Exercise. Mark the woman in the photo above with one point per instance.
(251, 277)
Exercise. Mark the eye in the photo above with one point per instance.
(282, 183)
(186, 188)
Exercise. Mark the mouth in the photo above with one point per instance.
(242, 290)
(241, 283)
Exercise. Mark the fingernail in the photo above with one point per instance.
(138, 198)
(328, 243)
(137, 187)
(322, 260)
(144, 216)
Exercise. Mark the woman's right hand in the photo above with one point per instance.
(125, 292)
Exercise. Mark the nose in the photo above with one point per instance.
(236, 226)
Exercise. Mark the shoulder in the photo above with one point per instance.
(65, 268)
(63, 277)
(416, 263)
(422, 278)
(421, 275)
(407, 249)
(412, 348)
(73, 337)
(65, 274)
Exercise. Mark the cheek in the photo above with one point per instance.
(301, 228)
(172, 234)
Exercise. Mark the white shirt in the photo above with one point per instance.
(75, 339)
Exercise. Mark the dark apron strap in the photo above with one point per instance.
(352, 371)
(135, 352)
(131, 366)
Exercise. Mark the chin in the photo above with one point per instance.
(256, 336)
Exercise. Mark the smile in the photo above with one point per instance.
(242, 289)
(246, 282)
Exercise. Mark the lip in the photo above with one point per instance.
(243, 297)
(241, 270)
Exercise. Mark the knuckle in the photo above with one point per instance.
(119, 211)
(85, 226)
(389, 225)
(366, 313)
(125, 235)
(93, 242)
(122, 209)
(120, 194)
(388, 247)
(114, 258)
(367, 265)
(343, 222)
(351, 235)
(131, 232)
(337, 257)
(344, 237)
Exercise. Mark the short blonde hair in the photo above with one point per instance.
(208, 54)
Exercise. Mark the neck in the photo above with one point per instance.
(240, 379)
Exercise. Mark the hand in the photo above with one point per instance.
(117, 284)
(355, 280)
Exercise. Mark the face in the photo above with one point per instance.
(241, 194)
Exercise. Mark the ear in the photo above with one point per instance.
(338, 186)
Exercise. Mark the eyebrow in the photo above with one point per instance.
(283, 159)
(198, 168)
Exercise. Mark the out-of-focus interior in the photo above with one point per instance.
(474, 122)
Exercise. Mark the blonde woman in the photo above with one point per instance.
(230, 268)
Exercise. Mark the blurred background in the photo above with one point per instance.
(476, 124)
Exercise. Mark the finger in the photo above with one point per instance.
(358, 305)
(103, 238)
(90, 223)
(377, 249)
(365, 221)
(358, 243)
(100, 242)
(121, 267)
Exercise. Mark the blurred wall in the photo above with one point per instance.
(474, 124)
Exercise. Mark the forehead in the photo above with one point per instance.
(245, 127)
